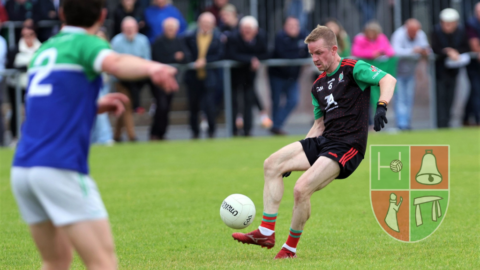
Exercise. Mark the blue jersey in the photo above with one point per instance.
(61, 101)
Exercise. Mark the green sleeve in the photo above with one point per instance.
(367, 75)
(316, 108)
(93, 51)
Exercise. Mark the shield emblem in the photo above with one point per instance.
(409, 189)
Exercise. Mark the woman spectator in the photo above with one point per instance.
(343, 40)
(372, 43)
(20, 59)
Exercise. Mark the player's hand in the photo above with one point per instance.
(164, 76)
(113, 102)
(380, 116)
(287, 174)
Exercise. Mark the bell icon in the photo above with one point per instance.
(429, 174)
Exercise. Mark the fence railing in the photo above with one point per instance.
(226, 66)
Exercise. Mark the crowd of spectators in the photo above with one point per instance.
(157, 30)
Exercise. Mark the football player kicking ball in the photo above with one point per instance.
(334, 146)
(49, 177)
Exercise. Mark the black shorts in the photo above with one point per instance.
(347, 157)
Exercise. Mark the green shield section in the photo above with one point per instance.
(390, 167)
(427, 211)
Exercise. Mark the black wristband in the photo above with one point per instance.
(382, 104)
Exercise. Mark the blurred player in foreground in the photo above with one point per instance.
(50, 180)
(334, 146)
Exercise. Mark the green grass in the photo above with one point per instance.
(164, 201)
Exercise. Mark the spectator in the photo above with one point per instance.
(44, 10)
(473, 104)
(3, 13)
(372, 43)
(20, 10)
(124, 9)
(203, 46)
(343, 40)
(133, 43)
(284, 80)
(216, 8)
(229, 19)
(300, 9)
(20, 59)
(167, 49)
(102, 131)
(248, 46)
(157, 13)
(3, 58)
(449, 40)
(407, 40)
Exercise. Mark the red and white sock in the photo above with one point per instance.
(267, 227)
(292, 240)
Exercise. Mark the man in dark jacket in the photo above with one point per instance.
(168, 49)
(449, 40)
(248, 46)
(289, 44)
(473, 104)
(203, 46)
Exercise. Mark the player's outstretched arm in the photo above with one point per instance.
(129, 67)
(317, 128)
(112, 102)
(387, 86)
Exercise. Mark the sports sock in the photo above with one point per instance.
(267, 227)
(292, 240)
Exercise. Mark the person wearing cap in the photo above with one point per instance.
(449, 41)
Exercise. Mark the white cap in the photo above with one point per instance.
(449, 15)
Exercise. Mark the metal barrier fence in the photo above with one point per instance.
(226, 66)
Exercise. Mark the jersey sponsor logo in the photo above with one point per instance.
(333, 154)
(374, 68)
(330, 102)
(376, 74)
(320, 88)
(330, 84)
(340, 78)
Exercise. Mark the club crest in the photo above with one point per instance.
(409, 189)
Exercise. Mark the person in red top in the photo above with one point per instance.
(334, 146)
(3, 14)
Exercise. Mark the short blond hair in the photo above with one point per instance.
(322, 32)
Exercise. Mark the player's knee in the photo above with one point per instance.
(301, 192)
(269, 166)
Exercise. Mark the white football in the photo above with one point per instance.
(237, 211)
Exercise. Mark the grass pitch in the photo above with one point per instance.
(164, 201)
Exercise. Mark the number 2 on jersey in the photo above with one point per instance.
(36, 87)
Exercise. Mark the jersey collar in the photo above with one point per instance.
(73, 29)
(338, 67)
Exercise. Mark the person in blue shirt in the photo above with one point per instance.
(157, 13)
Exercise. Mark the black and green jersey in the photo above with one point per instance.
(343, 99)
